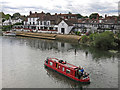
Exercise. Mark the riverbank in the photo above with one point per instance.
(106, 40)
(60, 37)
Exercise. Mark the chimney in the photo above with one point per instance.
(42, 12)
(98, 17)
(55, 13)
(30, 12)
(105, 15)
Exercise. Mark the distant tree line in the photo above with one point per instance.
(14, 16)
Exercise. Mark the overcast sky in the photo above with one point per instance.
(84, 7)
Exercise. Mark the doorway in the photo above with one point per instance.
(62, 30)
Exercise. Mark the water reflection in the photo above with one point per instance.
(66, 47)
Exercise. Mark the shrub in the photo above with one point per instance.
(84, 39)
(91, 37)
(104, 40)
(77, 33)
(6, 28)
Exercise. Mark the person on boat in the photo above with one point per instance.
(80, 68)
(80, 72)
(85, 74)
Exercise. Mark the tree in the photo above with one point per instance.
(48, 13)
(7, 16)
(3, 20)
(104, 40)
(2, 15)
(93, 16)
(16, 15)
(69, 13)
(6, 28)
(85, 16)
(100, 16)
(79, 16)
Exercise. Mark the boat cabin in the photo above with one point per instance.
(63, 67)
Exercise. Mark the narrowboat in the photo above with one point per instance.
(9, 33)
(66, 69)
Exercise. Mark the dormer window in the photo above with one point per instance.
(48, 23)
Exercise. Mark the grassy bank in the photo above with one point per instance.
(68, 38)
(106, 40)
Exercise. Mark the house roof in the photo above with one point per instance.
(34, 15)
(70, 22)
(67, 14)
(53, 18)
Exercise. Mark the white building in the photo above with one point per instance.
(12, 21)
(41, 22)
(46, 23)
(64, 27)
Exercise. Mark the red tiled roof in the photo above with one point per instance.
(67, 14)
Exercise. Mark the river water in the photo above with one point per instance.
(23, 64)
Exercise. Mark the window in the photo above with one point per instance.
(41, 22)
(33, 23)
(45, 28)
(56, 28)
(44, 23)
(67, 71)
(51, 28)
(59, 67)
(38, 22)
(62, 24)
(51, 63)
(41, 28)
(48, 23)
(63, 69)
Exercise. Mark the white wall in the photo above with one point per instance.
(32, 20)
(67, 28)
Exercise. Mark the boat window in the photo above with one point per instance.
(67, 71)
(63, 69)
(56, 65)
(51, 63)
(59, 67)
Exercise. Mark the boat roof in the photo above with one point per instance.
(67, 64)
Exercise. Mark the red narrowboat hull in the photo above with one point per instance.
(86, 80)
